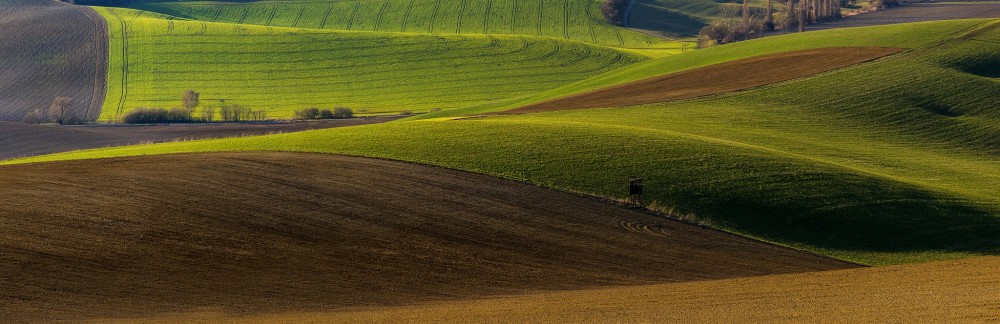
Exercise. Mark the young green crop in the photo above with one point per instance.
(565, 19)
(886, 162)
(909, 36)
(153, 61)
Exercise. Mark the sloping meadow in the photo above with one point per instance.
(854, 163)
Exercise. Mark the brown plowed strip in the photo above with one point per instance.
(251, 233)
(962, 291)
(23, 140)
(50, 49)
(719, 78)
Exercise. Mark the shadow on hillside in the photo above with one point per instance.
(867, 215)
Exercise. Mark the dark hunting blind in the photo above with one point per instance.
(635, 191)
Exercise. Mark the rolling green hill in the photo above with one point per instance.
(886, 162)
(154, 60)
(564, 19)
(908, 36)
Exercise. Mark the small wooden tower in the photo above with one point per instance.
(634, 192)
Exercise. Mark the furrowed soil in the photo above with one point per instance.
(715, 79)
(22, 140)
(51, 49)
(272, 233)
(941, 292)
(916, 12)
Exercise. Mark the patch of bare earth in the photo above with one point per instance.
(942, 292)
(50, 49)
(23, 140)
(275, 233)
(719, 78)
(915, 12)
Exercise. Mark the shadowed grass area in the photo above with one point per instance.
(578, 20)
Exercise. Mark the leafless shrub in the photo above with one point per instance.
(343, 112)
(190, 100)
(614, 11)
(208, 114)
(59, 111)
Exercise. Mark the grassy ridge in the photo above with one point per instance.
(887, 162)
(908, 36)
(565, 19)
(154, 60)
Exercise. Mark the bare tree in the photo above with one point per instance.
(59, 111)
(768, 17)
(190, 100)
(207, 114)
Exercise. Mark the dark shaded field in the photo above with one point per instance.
(719, 78)
(51, 49)
(916, 12)
(22, 140)
(258, 233)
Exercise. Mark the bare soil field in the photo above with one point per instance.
(274, 233)
(719, 78)
(916, 12)
(21, 140)
(941, 292)
(51, 49)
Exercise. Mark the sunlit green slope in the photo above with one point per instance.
(154, 60)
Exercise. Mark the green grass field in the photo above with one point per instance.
(154, 60)
(564, 19)
(887, 162)
(683, 18)
(907, 36)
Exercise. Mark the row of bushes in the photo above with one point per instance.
(316, 113)
(228, 113)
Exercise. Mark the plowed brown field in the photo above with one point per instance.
(962, 291)
(916, 12)
(21, 140)
(265, 233)
(50, 49)
(719, 78)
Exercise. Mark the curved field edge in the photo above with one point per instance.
(756, 191)
(952, 291)
(907, 36)
(51, 49)
(155, 59)
(322, 232)
(715, 79)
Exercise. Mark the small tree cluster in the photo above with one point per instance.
(735, 23)
(234, 113)
(316, 113)
(614, 11)
(146, 115)
(60, 112)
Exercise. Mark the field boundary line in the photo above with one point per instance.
(326, 16)
(298, 17)
(378, 19)
(246, 12)
(513, 16)
(350, 24)
(406, 16)
(486, 19)
(461, 12)
(437, 6)
(566, 19)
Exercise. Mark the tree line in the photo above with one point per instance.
(738, 22)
